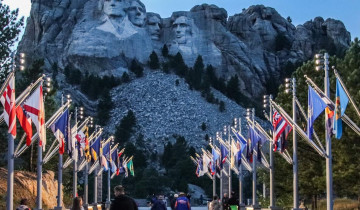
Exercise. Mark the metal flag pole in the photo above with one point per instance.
(255, 205)
(86, 181)
(295, 162)
(324, 59)
(214, 176)
(230, 155)
(75, 157)
(272, 166)
(241, 195)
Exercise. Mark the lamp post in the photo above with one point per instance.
(78, 114)
(241, 204)
(108, 202)
(322, 62)
(96, 176)
(86, 181)
(10, 175)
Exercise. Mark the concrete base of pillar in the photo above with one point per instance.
(107, 205)
(242, 206)
(59, 208)
(273, 208)
(255, 207)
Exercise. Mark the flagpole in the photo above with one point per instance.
(324, 59)
(74, 158)
(272, 167)
(241, 196)
(86, 181)
(221, 177)
(230, 155)
(10, 175)
(295, 162)
(39, 177)
(255, 206)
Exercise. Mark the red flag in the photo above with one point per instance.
(8, 101)
(25, 122)
(34, 106)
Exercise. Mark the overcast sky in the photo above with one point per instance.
(300, 11)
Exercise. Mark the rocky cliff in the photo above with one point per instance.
(25, 187)
(255, 44)
(102, 38)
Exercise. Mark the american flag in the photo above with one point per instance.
(280, 125)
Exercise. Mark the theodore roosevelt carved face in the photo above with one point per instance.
(154, 26)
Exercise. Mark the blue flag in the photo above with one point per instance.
(315, 106)
(223, 155)
(255, 138)
(60, 128)
(215, 156)
(105, 156)
(341, 103)
(241, 139)
(113, 161)
(95, 149)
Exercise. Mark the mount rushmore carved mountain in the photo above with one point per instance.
(102, 37)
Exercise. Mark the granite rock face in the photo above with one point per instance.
(103, 37)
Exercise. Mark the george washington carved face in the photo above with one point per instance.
(115, 8)
(182, 29)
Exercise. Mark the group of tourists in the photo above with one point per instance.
(231, 203)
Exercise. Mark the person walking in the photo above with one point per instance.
(23, 205)
(182, 203)
(215, 204)
(225, 201)
(159, 204)
(173, 201)
(233, 201)
(122, 201)
(77, 203)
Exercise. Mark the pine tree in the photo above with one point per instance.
(154, 61)
(104, 107)
(136, 68)
(10, 29)
(125, 128)
(179, 65)
(165, 51)
(232, 89)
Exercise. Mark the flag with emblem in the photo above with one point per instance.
(341, 102)
(8, 101)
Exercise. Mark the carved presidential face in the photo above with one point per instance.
(182, 29)
(153, 27)
(137, 14)
(114, 8)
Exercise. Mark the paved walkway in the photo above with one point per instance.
(192, 208)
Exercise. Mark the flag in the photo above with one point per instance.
(105, 155)
(258, 153)
(120, 167)
(113, 159)
(223, 155)
(87, 145)
(281, 128)
(25, 122)
(315, 106)
(240, 148)
(130, 166)
(74, 145)
(60, 130)
(254, 136)
(34, 106)
(262, 137)
(329, 119)
(241, 139)
(249, 151)
(95, 149)
(341, 103)
(199, 167)
(80, 138)
(8, 101)
(234, 151)
(215, 156)
(206, 161)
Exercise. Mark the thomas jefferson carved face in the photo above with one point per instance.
(115, 8)
(153, 27)
(137, 13)
(182, 29)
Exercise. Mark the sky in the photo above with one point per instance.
(300, 11)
